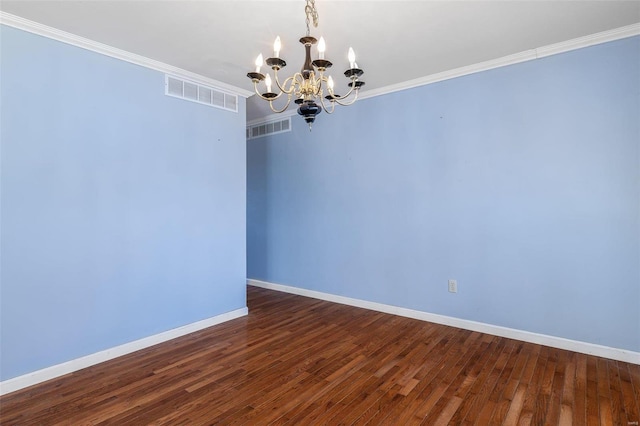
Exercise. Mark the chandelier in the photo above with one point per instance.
(307, 86)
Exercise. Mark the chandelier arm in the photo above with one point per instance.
(283, 86)
(319, 93)
(324, 107)
(255, 86)
(355, 98)
(278, 111)
(298, 84)
(351, 90)
(320, 80)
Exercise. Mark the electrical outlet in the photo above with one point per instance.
(453, 286)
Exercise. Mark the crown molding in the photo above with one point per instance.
(454, 73)
(527, 55)
(94, 46)
(590, 40)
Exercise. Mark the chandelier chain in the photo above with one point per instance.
(310, 11)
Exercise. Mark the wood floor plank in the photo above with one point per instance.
(634, 374)
(483, 408)
(471, 388)
(534, 383)
(515, 407)
(458, 356)
(631, 404)
(460, 382)
(604, 393)
(580, 391)
(555, 397)
(505, 400)
(568, 392)
(617, 403)
(593, 404)
(302, 361)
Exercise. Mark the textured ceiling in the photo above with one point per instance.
(394, 41)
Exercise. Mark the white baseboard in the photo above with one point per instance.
(39, 376)
(525, 336)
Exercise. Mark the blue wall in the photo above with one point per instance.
(523, 183)
(123, 210)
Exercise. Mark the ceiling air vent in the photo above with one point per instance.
(194, 92)
(269, 128)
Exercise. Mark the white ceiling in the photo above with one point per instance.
(394, 40)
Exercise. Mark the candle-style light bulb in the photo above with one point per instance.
(267, 81)
(321, 48)
(330, 84)
(352, 58)
(276, 47)
(259, 61)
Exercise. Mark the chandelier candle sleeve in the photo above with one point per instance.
(259, 62)
(276, 47)
(321, 48)
(267, 81)
(352, 58)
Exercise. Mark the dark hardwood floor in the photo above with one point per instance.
(301, 361)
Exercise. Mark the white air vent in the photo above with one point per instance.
(194, 92)
(269, 128)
